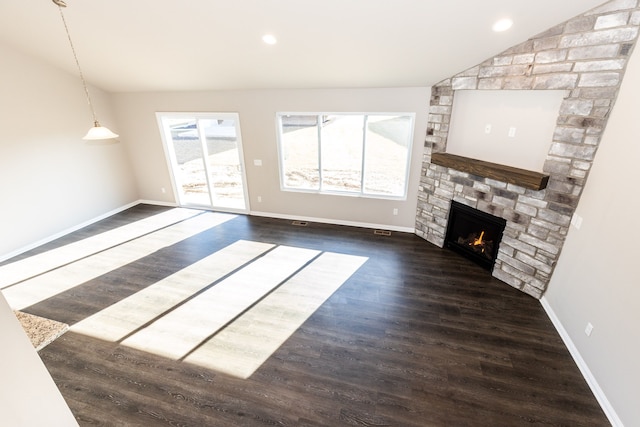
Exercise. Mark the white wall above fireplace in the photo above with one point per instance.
(510, 127)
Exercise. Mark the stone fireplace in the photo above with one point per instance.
(586, 56)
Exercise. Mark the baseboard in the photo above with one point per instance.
(157, 203)
(335, 222)
(582, 365)
(67, 231)
(303, 218)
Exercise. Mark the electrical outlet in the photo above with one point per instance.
(588, 329)
(259, 199)
(395, 211)
(257, 162)
(163, 190)
(576, 221)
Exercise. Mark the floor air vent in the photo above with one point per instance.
(382, 232)
(300, 223)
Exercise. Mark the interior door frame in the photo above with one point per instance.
(170, 156)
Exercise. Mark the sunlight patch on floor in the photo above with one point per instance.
(243, 346)
(47, 285)
(180, 331)
(229, 311)
(41, 263)
(130, 314)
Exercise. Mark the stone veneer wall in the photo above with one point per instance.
(587, 56)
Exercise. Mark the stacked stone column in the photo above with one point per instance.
(587, 57)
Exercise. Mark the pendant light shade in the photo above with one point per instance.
(97, 131)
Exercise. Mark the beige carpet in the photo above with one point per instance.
(40, 331)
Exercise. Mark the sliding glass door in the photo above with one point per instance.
(204, 152)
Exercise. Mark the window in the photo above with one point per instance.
(355, 154)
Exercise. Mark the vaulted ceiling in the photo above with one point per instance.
(162, 45)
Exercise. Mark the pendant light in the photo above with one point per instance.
(97, 131)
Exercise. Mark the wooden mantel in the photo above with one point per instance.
(521, 177)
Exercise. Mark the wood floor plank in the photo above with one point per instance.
(417, 336)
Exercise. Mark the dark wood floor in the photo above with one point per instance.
(417, 337)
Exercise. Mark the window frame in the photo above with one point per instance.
(171, 159)
(361, 193)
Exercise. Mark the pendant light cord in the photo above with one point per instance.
(60, 5)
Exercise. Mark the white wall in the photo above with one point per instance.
(596, 279)
(50, 179)
(135, 114)
(28, 395)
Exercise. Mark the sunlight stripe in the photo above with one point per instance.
(183, 329)
(46, 261)
(240, 348)
(124, 317)
(64, 278)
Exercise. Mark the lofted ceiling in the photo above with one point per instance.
(162, 45)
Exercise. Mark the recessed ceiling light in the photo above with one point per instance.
(269, 39)
(502, 25)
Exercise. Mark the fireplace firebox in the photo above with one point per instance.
(474, 234)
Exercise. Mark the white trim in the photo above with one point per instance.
(172, 164)
(582, 365)
(335, 222)
(67, 231)
(157, 203)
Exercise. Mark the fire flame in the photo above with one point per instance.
(478, 241)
